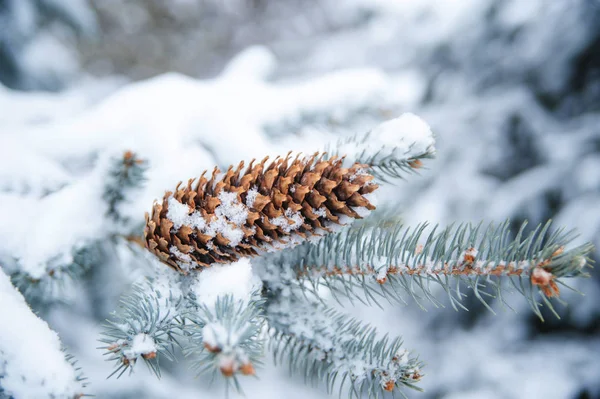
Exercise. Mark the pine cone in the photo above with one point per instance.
(264, 209)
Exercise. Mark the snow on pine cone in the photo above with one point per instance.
(265, 208)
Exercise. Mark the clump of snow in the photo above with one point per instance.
(290, 222)
(166, 287)
(404, 138)
(211, 334)
(255, 62)
(251, 197)
(64, 221)
(230, 215)
(141, 344)
(234, 279)
(184, 260)
(180, 214)
(407, 132)
(321, 212)
(34, 175)
(33, 365)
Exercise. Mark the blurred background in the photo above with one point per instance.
(510, 87)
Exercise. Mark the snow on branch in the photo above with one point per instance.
(226, 337)
(32, 364)
(391, 150)
(225, 320)
(378, 261)
(71, 231)
(215, 316)
(147, 326)
(323, 344)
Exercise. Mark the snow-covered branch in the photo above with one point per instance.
(71, 232)
(148, 324)
(392, 149)
(322, 344)
(127, 173)
(225, 321)
(293, 218)
(32, 363)
(226, 337)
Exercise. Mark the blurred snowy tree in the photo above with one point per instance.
(37, 39)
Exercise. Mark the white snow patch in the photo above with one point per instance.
(234, 279)
(405, 137)
(44, 233)
(213, 335)
(231, 209)
(32, 364)
(230, 215)
(141, 344)
(251, 197)
(183, 260)
(290, 222)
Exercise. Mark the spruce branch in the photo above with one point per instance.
(147, 326)
(33, 362)
(221, 334)
(383, 262)
(80, 377)
(293, 218)
(54, 278)
(225, 338)
(59, 277)
(412, 143)
(322, 344)
(126, 174)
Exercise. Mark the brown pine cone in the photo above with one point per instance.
(263, 209)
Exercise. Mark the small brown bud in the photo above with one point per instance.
(559, 251)
(112, 347)
(382, 280)
(247, 369)
(212, 349)
(390, 385)
(227, 369)
(150, 355)
(545, 280)
(415, 164)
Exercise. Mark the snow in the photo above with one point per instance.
(408, 133)
(235, 279)
(211, 334)
(403, 138)
(60, 228)
(289, 222)
(230, 215)
(34, 175)
(142, 344)
(184, 260)
(32, 364)
(251, 196)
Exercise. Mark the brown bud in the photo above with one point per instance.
(247, 369)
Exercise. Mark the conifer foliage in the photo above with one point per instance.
(252, 250)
